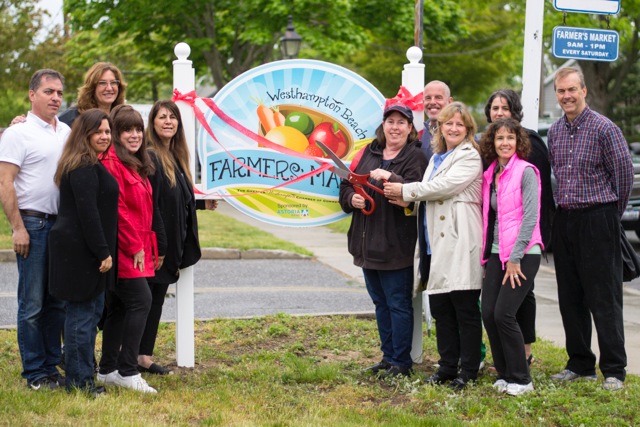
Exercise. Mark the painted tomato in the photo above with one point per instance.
(330, 135)
(314, 150)
(288, 137)
(300, 121)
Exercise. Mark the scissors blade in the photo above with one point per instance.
(333, 156)
(338, 171)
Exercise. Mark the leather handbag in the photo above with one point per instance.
(630, 259)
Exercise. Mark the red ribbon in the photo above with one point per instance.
(405, 97)
(191, 97)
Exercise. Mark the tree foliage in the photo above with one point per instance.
(226, 36)
(471, 44)
(24, 50)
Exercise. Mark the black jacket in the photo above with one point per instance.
(177, 208)
(69, 115)
(386, 239)
(85, 233)
(539, 157)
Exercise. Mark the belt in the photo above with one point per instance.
(36, 214)
(589, 208)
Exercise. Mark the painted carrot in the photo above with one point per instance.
(278, 116)
(265, 115)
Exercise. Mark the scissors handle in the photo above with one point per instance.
(367, 198)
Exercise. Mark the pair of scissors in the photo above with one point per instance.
(357, 180)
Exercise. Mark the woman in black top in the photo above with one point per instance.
(173, 189)
(383, 243)
(83, 242)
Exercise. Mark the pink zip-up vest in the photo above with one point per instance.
(510, 209)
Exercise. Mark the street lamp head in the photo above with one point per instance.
(291, 41)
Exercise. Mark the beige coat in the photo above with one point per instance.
(454, 220)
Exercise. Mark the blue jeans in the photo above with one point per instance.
(40, 316)
(391, 292)
(80, 328)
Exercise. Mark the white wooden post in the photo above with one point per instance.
(184, 79)
(532, 63)
(413, 80)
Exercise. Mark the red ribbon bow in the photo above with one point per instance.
(405, 97)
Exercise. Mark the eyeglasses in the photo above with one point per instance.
(113, 83)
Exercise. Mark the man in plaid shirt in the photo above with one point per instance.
(594, 172)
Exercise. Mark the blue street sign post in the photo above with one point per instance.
(585, 44)
(606, 7)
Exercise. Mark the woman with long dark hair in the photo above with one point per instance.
(173, 189)
(83, 242)
(140, 251)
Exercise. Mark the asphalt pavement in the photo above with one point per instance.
(240, 284)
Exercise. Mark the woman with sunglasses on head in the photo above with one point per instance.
(104, 88)
(83, 242)
(139, 253)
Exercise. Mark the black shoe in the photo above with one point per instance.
(458, 384)
(58, 379)
(155, 369)
(396, 371)
(42, 384)
(439, 378)
(97, 391)
(380, 366)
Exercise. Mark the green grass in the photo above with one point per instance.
(215, 229)
(341, 226)
(307, 371)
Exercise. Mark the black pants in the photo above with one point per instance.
(588, 260)
(158, 293)
(526, 316)
(127, 309)
(458, 332)
(500, 303)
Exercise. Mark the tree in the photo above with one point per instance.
(605, 80)
(228, 36)
(23, 53)
(472, 44)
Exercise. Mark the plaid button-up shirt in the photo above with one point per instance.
(591, 161)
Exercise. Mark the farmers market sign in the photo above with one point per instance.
(262, 155)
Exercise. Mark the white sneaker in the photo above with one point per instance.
(517, 389)
(500, 385)
(107, 379)
(612, 384)
(134, 382)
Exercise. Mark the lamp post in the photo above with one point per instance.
(291, 41)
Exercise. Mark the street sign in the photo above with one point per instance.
(607, 7)
(585, 44)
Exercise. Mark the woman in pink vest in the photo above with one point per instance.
(512, 247)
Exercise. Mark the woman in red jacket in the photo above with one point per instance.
(129, 301)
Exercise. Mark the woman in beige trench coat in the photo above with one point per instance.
(451, 192)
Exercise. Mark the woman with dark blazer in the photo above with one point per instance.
(173, 190)
(83, 242)
(141, 245)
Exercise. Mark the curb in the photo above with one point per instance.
(8, 255)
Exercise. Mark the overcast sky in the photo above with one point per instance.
(55, 10)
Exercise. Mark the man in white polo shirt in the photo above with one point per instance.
(29, 154)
